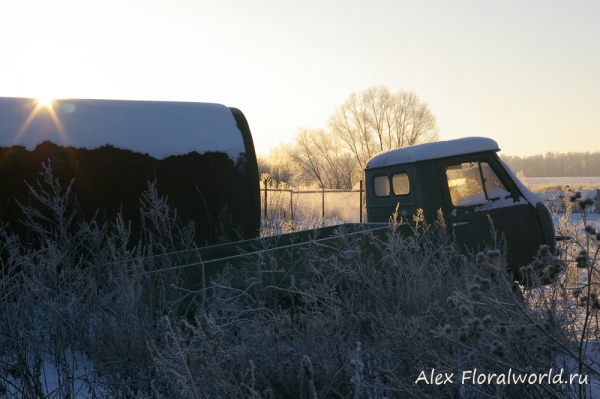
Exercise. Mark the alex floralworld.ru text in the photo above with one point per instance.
(511, 377)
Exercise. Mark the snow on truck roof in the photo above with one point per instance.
(160, 129)
(443, 149)
(435, 150)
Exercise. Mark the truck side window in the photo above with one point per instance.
(382, 186)
(400, 184)
(467, 187)
(494, 187)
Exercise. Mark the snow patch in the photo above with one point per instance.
(160, 129)
(498, 193)
(532, 198)
(473, 199)
(438, 149)
(501, 203)
(499, 198)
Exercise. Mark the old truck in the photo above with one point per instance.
(481, 200)
(472, 186)
(202, 156)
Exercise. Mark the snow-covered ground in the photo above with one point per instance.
(557, 201)
(563, 181)
(574, 218)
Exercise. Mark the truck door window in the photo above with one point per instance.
(467, 187)
(382, 186)
(493, 186)
(464, 182)
(400, 184)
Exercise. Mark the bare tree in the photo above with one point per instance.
(369, 122)
(277, 164)
(320, 157)
(376, 120)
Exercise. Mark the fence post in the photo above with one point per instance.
(360, 210)
(322, 206)
(265, 219)
(292, 208)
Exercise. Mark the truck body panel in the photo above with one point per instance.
(200, 155)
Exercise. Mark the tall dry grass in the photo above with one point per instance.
(94, 310)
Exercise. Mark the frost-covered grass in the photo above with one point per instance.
(580, 282)
(364, 319)
(76, 310)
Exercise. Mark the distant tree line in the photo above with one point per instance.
(554, 164)
(368, 122)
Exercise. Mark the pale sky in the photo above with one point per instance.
(524, 73)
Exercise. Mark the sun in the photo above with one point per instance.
(44, 106)
(44, 102)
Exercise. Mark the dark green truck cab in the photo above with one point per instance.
(468, 182)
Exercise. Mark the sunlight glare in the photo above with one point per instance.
(44, 106)
(45, 102)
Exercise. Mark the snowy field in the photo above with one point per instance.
(572, 181)
(557, 200)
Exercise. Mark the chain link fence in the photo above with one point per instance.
(284, 210)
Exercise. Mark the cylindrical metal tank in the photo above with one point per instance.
(200, 155)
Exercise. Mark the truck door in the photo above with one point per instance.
(478, 191)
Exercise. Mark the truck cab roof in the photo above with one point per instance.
(435, 150)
